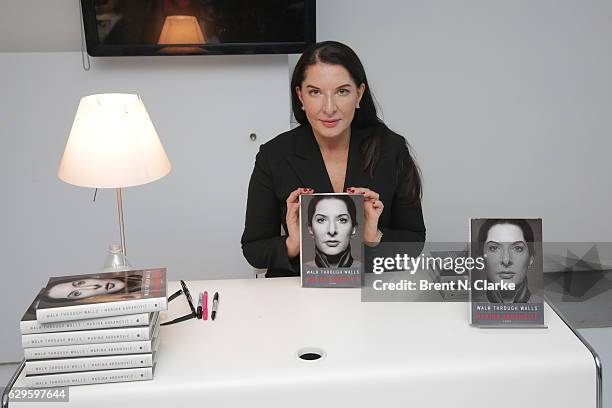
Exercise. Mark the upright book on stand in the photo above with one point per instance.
(507, 291)
(331, 239)
(79, 297)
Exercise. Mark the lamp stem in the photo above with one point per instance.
(121, 226)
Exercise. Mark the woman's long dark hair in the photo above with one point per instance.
(333, 52)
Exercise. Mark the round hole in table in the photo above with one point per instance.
(310, 354)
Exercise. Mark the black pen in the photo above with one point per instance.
(199, 309)
(214, 305)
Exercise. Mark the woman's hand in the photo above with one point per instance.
(293, 221)
(373, 207)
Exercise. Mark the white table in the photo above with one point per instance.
(377, 355)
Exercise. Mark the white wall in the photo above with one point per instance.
(506, 103)
(40, 26)
(204, 109)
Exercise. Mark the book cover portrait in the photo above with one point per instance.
(506, 292)
(103, 287)
(105, 294)
(331, 239)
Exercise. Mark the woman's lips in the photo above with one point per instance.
(332, 243)
(330, 123)
(506, 275)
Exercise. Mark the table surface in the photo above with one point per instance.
(383, 353)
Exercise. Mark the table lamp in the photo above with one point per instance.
(113, 144)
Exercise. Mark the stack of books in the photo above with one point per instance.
(91, 329)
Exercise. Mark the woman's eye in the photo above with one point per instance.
(74, 293)
(519, 249)
(343, 92)
(492, 248)
(79, 283)
(313, 92)
(320, 220)
(342, 220)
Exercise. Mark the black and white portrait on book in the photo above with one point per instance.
(512, 253)
(331, 230)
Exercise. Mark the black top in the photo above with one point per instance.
(293, 160)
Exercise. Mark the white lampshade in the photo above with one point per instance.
(113, 144)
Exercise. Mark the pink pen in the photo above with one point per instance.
(205, 306)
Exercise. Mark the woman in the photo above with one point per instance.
(508, 249)
(332, 222)
(340, 145)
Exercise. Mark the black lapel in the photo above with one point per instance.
(355, 176)
(309, 167)
(307, 162)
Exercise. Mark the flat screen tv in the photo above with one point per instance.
(188, 27)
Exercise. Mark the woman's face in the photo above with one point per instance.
(332, 226)
(329, 97)
(84, 288)
(506, 254)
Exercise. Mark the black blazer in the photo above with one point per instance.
(292, 160)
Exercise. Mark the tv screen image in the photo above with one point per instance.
(179, 27)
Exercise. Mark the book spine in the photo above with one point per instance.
(79, 312)
(70, 365)
(83, 350)
(33, 326)
(89, 377)
(86, 337)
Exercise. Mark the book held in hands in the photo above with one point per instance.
(331, 239)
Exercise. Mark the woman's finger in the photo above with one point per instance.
(293, 197)
(378, 204)
(367, 193)
(374, 205)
